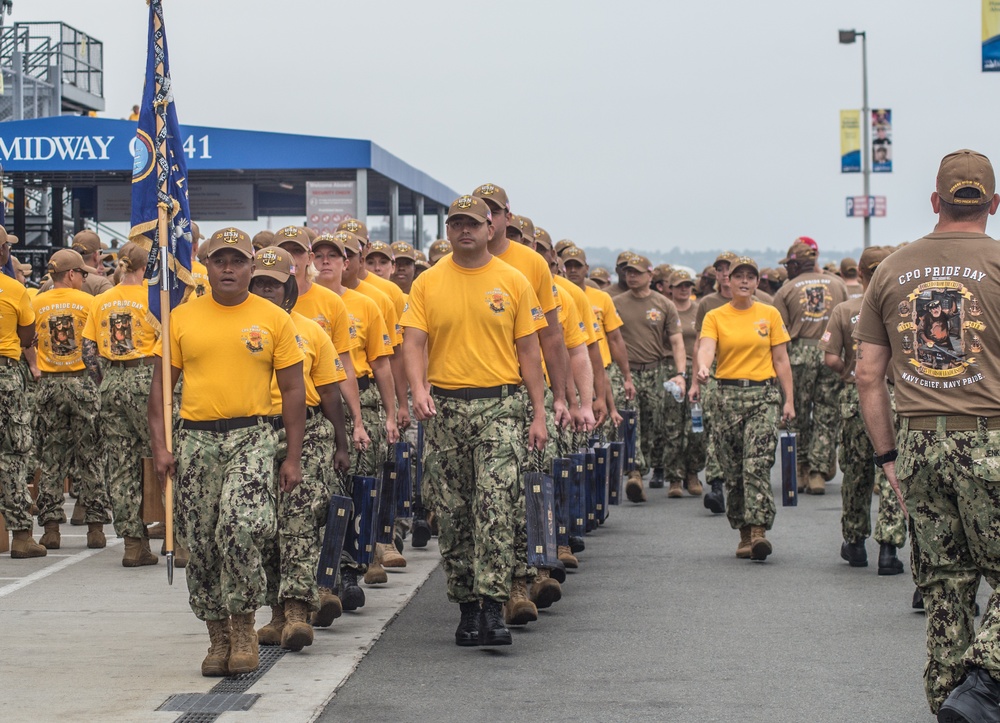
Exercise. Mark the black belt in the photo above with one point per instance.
(80, 373)
(364, 383)
(278, 422)
(222, 426)
(745, 383)
(6, 361)
(470, 393)
(145, 361)
(644, 367)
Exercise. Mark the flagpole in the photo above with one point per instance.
(163, 239)
(166, 388)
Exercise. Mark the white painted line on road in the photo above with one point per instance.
(52, 569)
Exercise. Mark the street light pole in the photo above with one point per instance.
(847, 37)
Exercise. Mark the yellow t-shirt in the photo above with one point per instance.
(373, 336)
(60, 315)
(607, 316)
(385, 307)
(320, 363)
(118, 324)
(200, 275)
(534, 268)
(472, 318)
(228, 355)
(573, 328)
(328, 310)
(15, 311)
(395, 295)
(744, 339)
(32, 292)
(586, 312)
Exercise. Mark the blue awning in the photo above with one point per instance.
(80, 151)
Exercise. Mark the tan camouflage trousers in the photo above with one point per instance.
(951, 485)
(70, 446)
(125, 441)
(292, 556)
(745, 437)
(15, 448)
(860, 478)
(472, 472)
(817, 408)
(617, 380)
(225, 504)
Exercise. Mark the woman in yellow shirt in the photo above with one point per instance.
(748, 341)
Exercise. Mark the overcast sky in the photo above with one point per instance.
(632, 124)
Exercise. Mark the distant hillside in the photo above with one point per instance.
(699, 259)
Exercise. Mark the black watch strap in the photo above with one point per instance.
(881, 459)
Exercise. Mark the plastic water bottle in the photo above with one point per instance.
(671, 386)
(697, 425)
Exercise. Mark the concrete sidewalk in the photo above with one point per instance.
(85, 639)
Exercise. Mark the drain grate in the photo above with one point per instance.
(209, 703)
(269, 655)
(198, 718)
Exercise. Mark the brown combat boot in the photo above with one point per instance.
(23, 546)
(545, 590)
(694, 485)
(270, 634)
(567, 558)
(51, 539)
(216, 663)
(137, 553)
(244, 656)
(95, 536)
(676, 489)
(79, 514)
(330, 608)
(391, 557)
(817, 485)
(519, 609)
(633, 487)
(760, 547)
(802, 476)
(376, 573)
(297, 633)
(156, 531)
(743, 549)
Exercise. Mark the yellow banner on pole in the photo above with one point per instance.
(850, 141)
(991, 35)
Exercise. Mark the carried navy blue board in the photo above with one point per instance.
(339, 516)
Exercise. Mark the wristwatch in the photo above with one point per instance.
(881, 459)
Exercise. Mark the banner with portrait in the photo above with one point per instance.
(882, 141)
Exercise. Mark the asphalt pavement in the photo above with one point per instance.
(663, 623)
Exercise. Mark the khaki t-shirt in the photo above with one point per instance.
(807, 301)
(936, 304)
(854, 291)
(838, 339)
(648, 324)
(688, 319)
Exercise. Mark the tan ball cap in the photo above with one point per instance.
(68, 260)
(872, 256)
(494, 194)
(576, 254)
(639, 263)
(744, 262)
(353, 225)
(799, 251)
(472, 207)
(230, 238)
(329, 239)
(542, 238)
(600, 274)
(88, 242)
(438, 250)
(262, 239)
(380, 247)
(403, 250)
(274, 263)
(680, 277)
(966, 169)
(291, 234)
